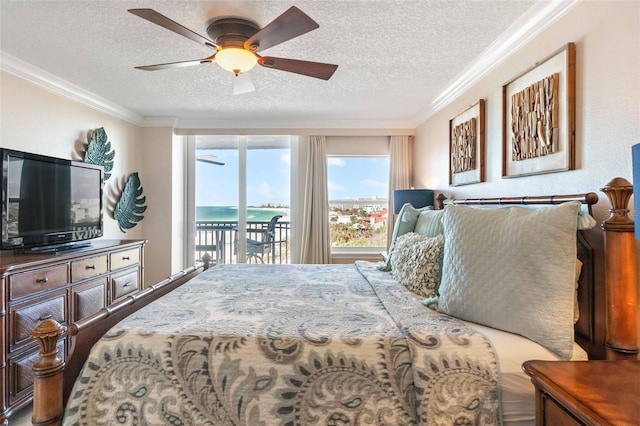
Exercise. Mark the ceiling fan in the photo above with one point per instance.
(209, 159)
(237, 41)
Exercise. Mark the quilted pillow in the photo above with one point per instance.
(405, 222)
(417, 263)
(429, 223)
(513, 269)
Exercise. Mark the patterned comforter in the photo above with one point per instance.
(288, 345)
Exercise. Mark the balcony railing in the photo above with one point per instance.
(220, 240)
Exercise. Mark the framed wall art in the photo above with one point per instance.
(466, 146)
(538, 134)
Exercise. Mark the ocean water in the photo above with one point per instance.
(219, 213)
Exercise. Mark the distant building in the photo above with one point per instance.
(369, 205)
(377, 219)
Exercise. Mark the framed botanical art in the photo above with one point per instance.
(466, 146)
(538, 106)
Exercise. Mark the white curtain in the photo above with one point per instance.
(315, 244)
(400, 173)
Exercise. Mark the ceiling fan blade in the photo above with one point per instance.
(208, 159)
(180, 64)
(159, 19)
(292, 23)
(308, 68)
(242, 83)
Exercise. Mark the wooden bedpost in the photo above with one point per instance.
(47, 375)
(620, 271)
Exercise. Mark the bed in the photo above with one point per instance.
(331, 344)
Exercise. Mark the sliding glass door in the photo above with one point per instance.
(242, 198)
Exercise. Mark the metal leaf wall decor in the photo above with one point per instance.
(129, 209)
(99, 152)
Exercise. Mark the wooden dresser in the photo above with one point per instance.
(66, 286)
(586, 392)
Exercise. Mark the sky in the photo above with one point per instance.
(268, 177)
(358, 177)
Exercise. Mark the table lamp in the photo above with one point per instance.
(417, 197)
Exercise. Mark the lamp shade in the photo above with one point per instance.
(236, 60)
(417, 197)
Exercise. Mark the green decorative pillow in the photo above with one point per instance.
(429, 223)
(513, 269)
(417, 263)
(405, 222)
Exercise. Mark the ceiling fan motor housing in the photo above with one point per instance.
(231, 32)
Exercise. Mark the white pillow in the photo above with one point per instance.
(513, 269)
(417, 263)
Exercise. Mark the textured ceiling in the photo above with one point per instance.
(394, 57)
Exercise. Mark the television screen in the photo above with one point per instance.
(49, 202)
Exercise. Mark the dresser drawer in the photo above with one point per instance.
(87, 268)
(125, 258)
(25, 318)
(124, 284)
(20, 374)
(88, 298)
(28, 283)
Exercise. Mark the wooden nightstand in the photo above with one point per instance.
(586, 392)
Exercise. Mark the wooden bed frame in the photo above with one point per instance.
(605, 329)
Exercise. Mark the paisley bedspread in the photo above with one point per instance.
(288, 345)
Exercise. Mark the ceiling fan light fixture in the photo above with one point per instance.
(236, 59)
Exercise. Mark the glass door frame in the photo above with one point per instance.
(190, 209)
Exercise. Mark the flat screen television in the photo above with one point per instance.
(49, 204)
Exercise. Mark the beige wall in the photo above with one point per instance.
(159, 168)
(607, 38)
(35, 120)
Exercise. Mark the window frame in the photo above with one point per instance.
(243, 144)
(347, 252)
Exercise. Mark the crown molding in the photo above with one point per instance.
(540, 17)
(295, 125)
(309, 131)
(160, 122)
(52, 83)
(271, 126)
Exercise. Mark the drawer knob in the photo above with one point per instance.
(43, 280)
(91, 267)
(44, 317)
(126, 258)
(127, 284)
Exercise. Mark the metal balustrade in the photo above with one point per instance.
(220, 240)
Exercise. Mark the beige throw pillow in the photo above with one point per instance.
(417, 263)
(405, 222)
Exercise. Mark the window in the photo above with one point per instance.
(358, 188)
(241, 183)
